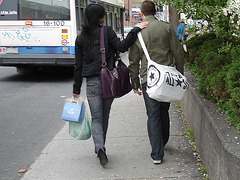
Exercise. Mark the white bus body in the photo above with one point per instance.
(42, 33)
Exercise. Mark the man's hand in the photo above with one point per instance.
(138, 91)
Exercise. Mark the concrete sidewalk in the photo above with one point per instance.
(128, 150)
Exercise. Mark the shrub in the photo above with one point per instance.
(216, 66)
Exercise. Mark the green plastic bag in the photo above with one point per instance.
(81, 131)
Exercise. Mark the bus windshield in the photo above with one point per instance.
(44, 9)
(35, 10)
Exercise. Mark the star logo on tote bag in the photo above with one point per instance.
(153, 76)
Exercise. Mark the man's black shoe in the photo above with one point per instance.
(102, 157)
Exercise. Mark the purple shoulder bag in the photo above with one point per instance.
(115, 83)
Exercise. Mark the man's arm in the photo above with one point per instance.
(134, 66)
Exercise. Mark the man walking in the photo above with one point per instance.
(164, 48)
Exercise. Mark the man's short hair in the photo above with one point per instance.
(148, 8)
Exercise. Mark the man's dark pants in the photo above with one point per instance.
(158, 124)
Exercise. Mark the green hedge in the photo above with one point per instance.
(216, 65)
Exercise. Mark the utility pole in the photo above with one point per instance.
(128, 12)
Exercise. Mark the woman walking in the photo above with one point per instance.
(88, 64)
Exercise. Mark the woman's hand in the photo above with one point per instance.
(76, 96)
(143, 25)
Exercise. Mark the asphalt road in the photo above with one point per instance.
(30, 116)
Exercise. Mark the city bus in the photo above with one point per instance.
(37, 34)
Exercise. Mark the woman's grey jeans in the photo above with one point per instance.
(100, 110)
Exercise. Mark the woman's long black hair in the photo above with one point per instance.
(90, 28)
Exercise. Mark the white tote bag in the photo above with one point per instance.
(164, 83)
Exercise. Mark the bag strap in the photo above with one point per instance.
(102, 49)
(143, 46)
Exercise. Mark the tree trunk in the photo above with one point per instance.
(173, 17)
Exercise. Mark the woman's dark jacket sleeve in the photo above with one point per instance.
(123, 45)
(78, 67)
(112, 44)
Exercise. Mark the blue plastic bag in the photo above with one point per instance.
(73, 110)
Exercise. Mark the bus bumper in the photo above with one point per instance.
(37, 60)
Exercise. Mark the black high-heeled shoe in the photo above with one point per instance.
(102, 157)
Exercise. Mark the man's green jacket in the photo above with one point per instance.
(163, 47)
